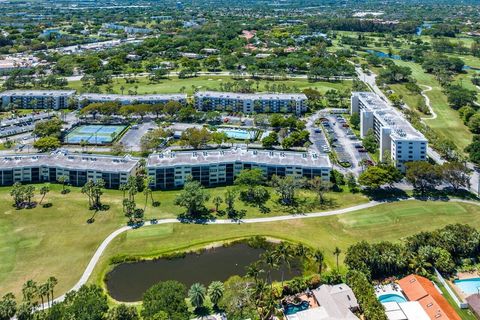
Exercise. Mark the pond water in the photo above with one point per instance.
(381, 54)
(128, 281)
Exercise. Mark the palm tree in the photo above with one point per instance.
(29, 290)
(284, 254)
(43, 291)
(319, 258)
(196, 294)
(337, 253)
(254, 270)
(215, 292)
(52, 282)
(271, 260)
(217, 201)
(43, 191)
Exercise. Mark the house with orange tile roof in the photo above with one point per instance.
(417, 288)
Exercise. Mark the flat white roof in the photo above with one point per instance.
(207, 157)
(251, 96)
(71, 161)
(390, 117)
(37, 93)
(410, 310)
(143, 97)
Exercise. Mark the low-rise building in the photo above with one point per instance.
(78, 168)
(396, 137)
(37, 99)
(249, 103)
(88, 98)
(418, 288)
(220, 167)
(334, 302)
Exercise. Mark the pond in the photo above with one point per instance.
(381, 54)
(128, 281)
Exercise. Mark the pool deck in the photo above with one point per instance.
(468, 275)
(382, 289)
(462, 276)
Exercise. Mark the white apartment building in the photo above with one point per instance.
(87, 98)
(220, 167)
(395, 135)
(37, 99)
(249, 103)
(77, 168)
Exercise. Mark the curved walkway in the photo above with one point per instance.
(98, 253)
(427, 102)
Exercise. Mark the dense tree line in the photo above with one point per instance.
(444, 249)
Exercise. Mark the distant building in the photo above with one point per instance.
(127, 29)
(395, 135)
(220, 167)
(78, 168)
(88, 98)
(49, 32)
(249, 103)
(37, 99)
(191, 55)
(8, 65)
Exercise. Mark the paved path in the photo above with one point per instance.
(433, 115)
(98, 253)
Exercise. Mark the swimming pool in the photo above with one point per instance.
(238, 134)
(468, 286)
(291, 308)
(391, 297)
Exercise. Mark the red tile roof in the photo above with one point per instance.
(420, 289)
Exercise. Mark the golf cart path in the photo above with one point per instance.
(427, 102)
(98, 253)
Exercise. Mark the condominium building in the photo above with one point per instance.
(395, 135)
(220, 167)
(78, 168)
(88, 98)
(37, 99)
(249, 103)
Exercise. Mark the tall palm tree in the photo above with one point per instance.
(196, 294)
(44, 291)
(215, 292)
(319, 258)
(52, 282)
(271, 260)
(29, 291)
(337, 253)
(254, 270)
(284, 254)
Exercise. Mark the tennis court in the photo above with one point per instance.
(94, 134)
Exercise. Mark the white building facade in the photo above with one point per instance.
(220, 167)
(396, 137)
(250, 103)
(37, 99)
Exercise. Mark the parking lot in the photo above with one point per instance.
(131, 139)
(347, 147)
(21, 124)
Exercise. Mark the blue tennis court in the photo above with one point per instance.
(94, 134)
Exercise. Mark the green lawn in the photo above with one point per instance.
(175, 85)
(448, 123)
(41, 242)
(465, 314)
(38, 243)
(391, 221)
